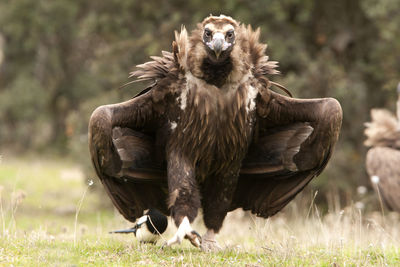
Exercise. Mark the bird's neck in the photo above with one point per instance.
(216, 73)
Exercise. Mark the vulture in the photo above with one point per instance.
(383, 158)
(208, 132)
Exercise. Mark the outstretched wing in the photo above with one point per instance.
(293, 142)
(122, 147)
(127, 140)
(384, 162)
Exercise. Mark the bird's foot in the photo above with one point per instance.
(209, 243)
(184, 231)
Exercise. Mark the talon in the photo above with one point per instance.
(194, 238)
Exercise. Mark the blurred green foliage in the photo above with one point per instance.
(60, 59)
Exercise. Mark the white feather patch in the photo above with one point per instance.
(142, 233)
(251, 96)
(142, 220)
(183, 97)
(173, 125)
(184, 228)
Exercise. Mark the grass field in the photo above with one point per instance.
(49, 216)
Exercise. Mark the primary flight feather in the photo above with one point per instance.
(209, 133)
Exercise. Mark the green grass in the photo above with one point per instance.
(40, 199)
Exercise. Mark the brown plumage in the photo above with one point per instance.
(383, 158)
(209, 133)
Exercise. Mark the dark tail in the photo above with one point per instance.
(125, 231)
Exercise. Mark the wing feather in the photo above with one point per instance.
(296, 140)
(121, 143)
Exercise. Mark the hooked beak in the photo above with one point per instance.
(218, 44)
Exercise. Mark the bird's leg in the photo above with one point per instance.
(220, 190)
(184, 199)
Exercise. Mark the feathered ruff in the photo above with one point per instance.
(383, 130)
(262, 67)
(156, 69)
(180, 47)
(260, 61)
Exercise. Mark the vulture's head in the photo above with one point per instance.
(215, 38)
(220, 49)
(218, 36)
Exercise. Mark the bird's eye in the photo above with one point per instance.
(207, 33)
(230, 34)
